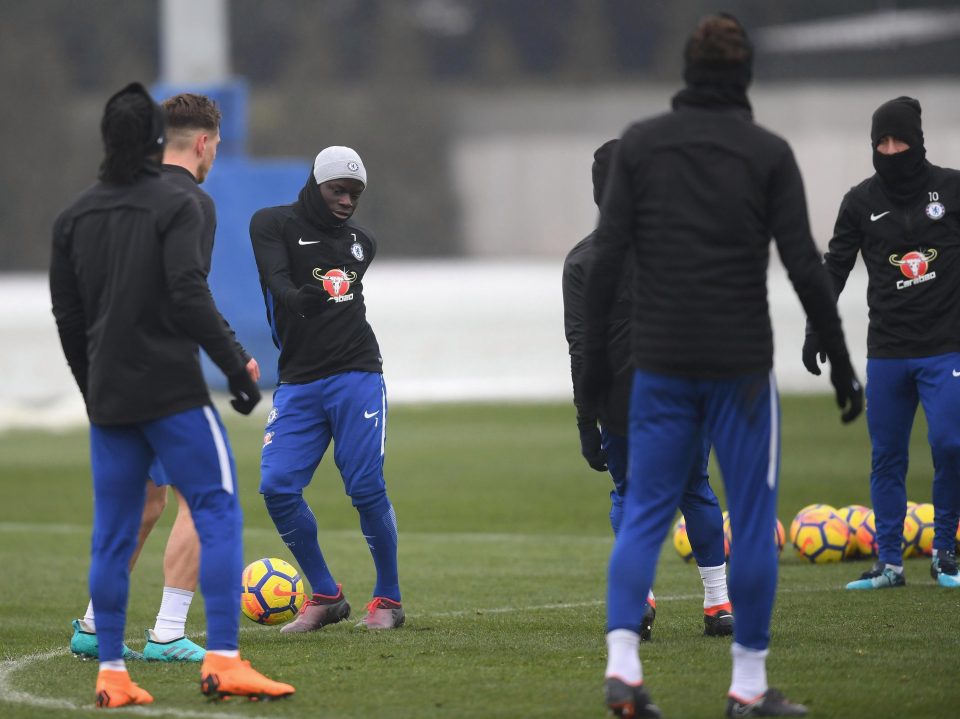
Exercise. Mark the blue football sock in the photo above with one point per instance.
(378, 522)
(297, 526)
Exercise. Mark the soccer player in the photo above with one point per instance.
(605, 448)
(904, 221)
(312, 260)
(132, 305)
(696, 195)
(192, 136)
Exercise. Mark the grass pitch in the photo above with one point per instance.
(504, 541)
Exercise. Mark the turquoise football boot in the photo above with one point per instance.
(176, 650)
(84, 644)
(879, 577)
(943, 568)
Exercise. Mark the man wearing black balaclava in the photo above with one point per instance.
(904, 222)
(694, 197)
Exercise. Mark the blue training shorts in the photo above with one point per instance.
(348, 408)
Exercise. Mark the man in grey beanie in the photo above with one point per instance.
(312, 260)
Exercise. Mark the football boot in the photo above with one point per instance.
(879, 577)
(176, 650)
(629, 701)
(718, 620)
(222, 677)
(772, 703)
(319, 611)
(383, 613)
(115, 689)
(84, 644)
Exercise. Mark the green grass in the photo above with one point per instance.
(504, 542)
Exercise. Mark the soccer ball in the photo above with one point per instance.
(853, 515)
(780, 537)
(821, 536)
(681, 542)
(809, 507)
(273, 591)
(867, 536)
(918, 529)
(795, 524)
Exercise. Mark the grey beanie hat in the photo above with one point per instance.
(338, 162)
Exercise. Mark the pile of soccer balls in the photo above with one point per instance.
(821, 533)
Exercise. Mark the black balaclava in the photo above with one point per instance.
(314, 208)
(904, 173)
(602, 159)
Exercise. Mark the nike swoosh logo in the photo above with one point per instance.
(873, 217)
(277, 592)
(956, 373)
(309, 242)
(368, 415)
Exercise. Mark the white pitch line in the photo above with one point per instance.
(10, 695)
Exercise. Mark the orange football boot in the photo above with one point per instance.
(114, 689)
(222, 676)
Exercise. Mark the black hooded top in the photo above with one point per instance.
(612, 410)
(304, 243)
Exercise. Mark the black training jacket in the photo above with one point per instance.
(912, 254)
(130, 297)
(697, 194)
(613, 411)
(291, 252)
(183, 178)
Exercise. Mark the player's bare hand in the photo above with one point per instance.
(253, 369)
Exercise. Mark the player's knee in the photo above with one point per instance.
(282, 506)
(153, 506)
(946, 447)
(375, 503)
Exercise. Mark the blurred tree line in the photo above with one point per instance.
(380, 75)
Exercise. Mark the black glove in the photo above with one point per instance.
(811, 351)
(590, 445)
(848, 388)
(245, 392)
(308, 300)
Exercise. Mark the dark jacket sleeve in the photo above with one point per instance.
(193, 305)
(574, 324)
(68, 306)
(844, 246)
(790, 228)
(273, 262)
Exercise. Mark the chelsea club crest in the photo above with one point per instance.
(356, 249)
(935, 211)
